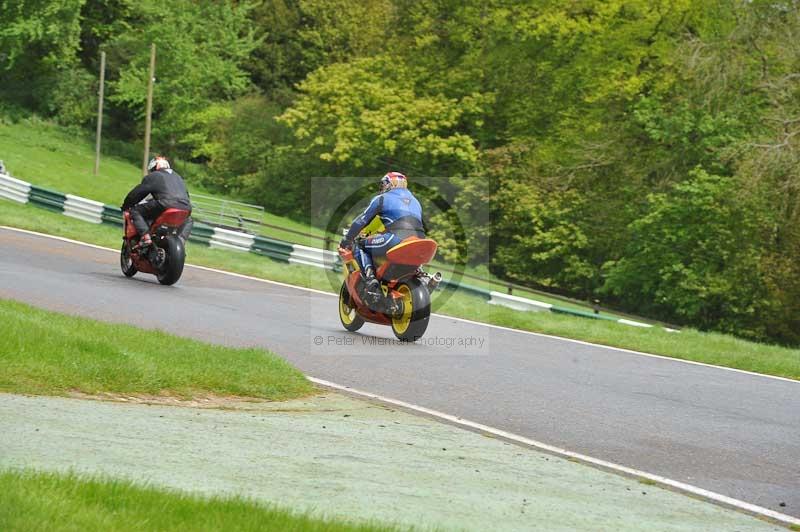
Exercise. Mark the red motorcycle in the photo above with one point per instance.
(406, 301)
(164, 257)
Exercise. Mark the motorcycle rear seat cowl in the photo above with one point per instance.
(412, 251)
(172, 217)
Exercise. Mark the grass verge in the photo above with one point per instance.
(53, 501)
(54, 157)
(53, 354)
(689, 344)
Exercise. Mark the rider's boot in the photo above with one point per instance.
(145, 241)
(372, 288)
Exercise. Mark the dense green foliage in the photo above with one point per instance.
(641, 151)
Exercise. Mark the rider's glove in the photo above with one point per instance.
(346, 244)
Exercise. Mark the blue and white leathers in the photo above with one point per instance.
(391, 206)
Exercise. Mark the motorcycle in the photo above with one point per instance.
(164, 258)
(405, 304)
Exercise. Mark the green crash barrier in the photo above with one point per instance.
(49, 199)
(274, 249)
(112, 215)
(471, 290)
(201, 233)
(581, 313)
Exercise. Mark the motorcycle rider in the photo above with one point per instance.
(401, 215)
(168, 190)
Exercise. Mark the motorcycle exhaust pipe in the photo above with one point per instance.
(434, 281)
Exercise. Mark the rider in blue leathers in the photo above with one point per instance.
(401, 215)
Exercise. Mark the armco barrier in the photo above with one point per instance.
(471, 290)
(525, 304)
(321, 258)
(582, 313)
(233, 240)
(49, 199)
(201, 233)
(14, 189)
(112, 215)
(83, 209)
(518, 303)
(634, 323)
(274, 249)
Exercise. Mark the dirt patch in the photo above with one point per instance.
(206, 401)
(313, 403)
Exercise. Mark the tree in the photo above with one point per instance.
(297, 37)
(357, 115)
(38, 45)
(695, 258)
(200, 64)
(541, 239)
(39, 31)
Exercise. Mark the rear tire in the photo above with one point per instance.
(171, 270)
(348, 315)
(413, 320)
(125, 261)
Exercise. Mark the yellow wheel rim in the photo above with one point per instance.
(402, 322)
(347, 313)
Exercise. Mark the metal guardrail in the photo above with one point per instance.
(13, 189)
(276, 249)
(84, 209)
(49, 199)
(227, 214)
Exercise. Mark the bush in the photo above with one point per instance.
(695, 258)
(73, 99)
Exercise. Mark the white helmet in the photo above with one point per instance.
(158, 163)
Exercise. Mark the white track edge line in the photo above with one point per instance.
(724, 499)
(444, 316)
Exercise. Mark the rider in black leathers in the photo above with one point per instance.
(168, 190)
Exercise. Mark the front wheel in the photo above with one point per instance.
(347, 313)
(172, 268)
(410, 324)
(125, 260)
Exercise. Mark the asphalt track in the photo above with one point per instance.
(729, 432)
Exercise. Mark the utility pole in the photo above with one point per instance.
(100, 112)
(149, 107)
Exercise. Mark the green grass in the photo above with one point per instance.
(67, 502)
(53, 157)
(51, 354)
(689, 344)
